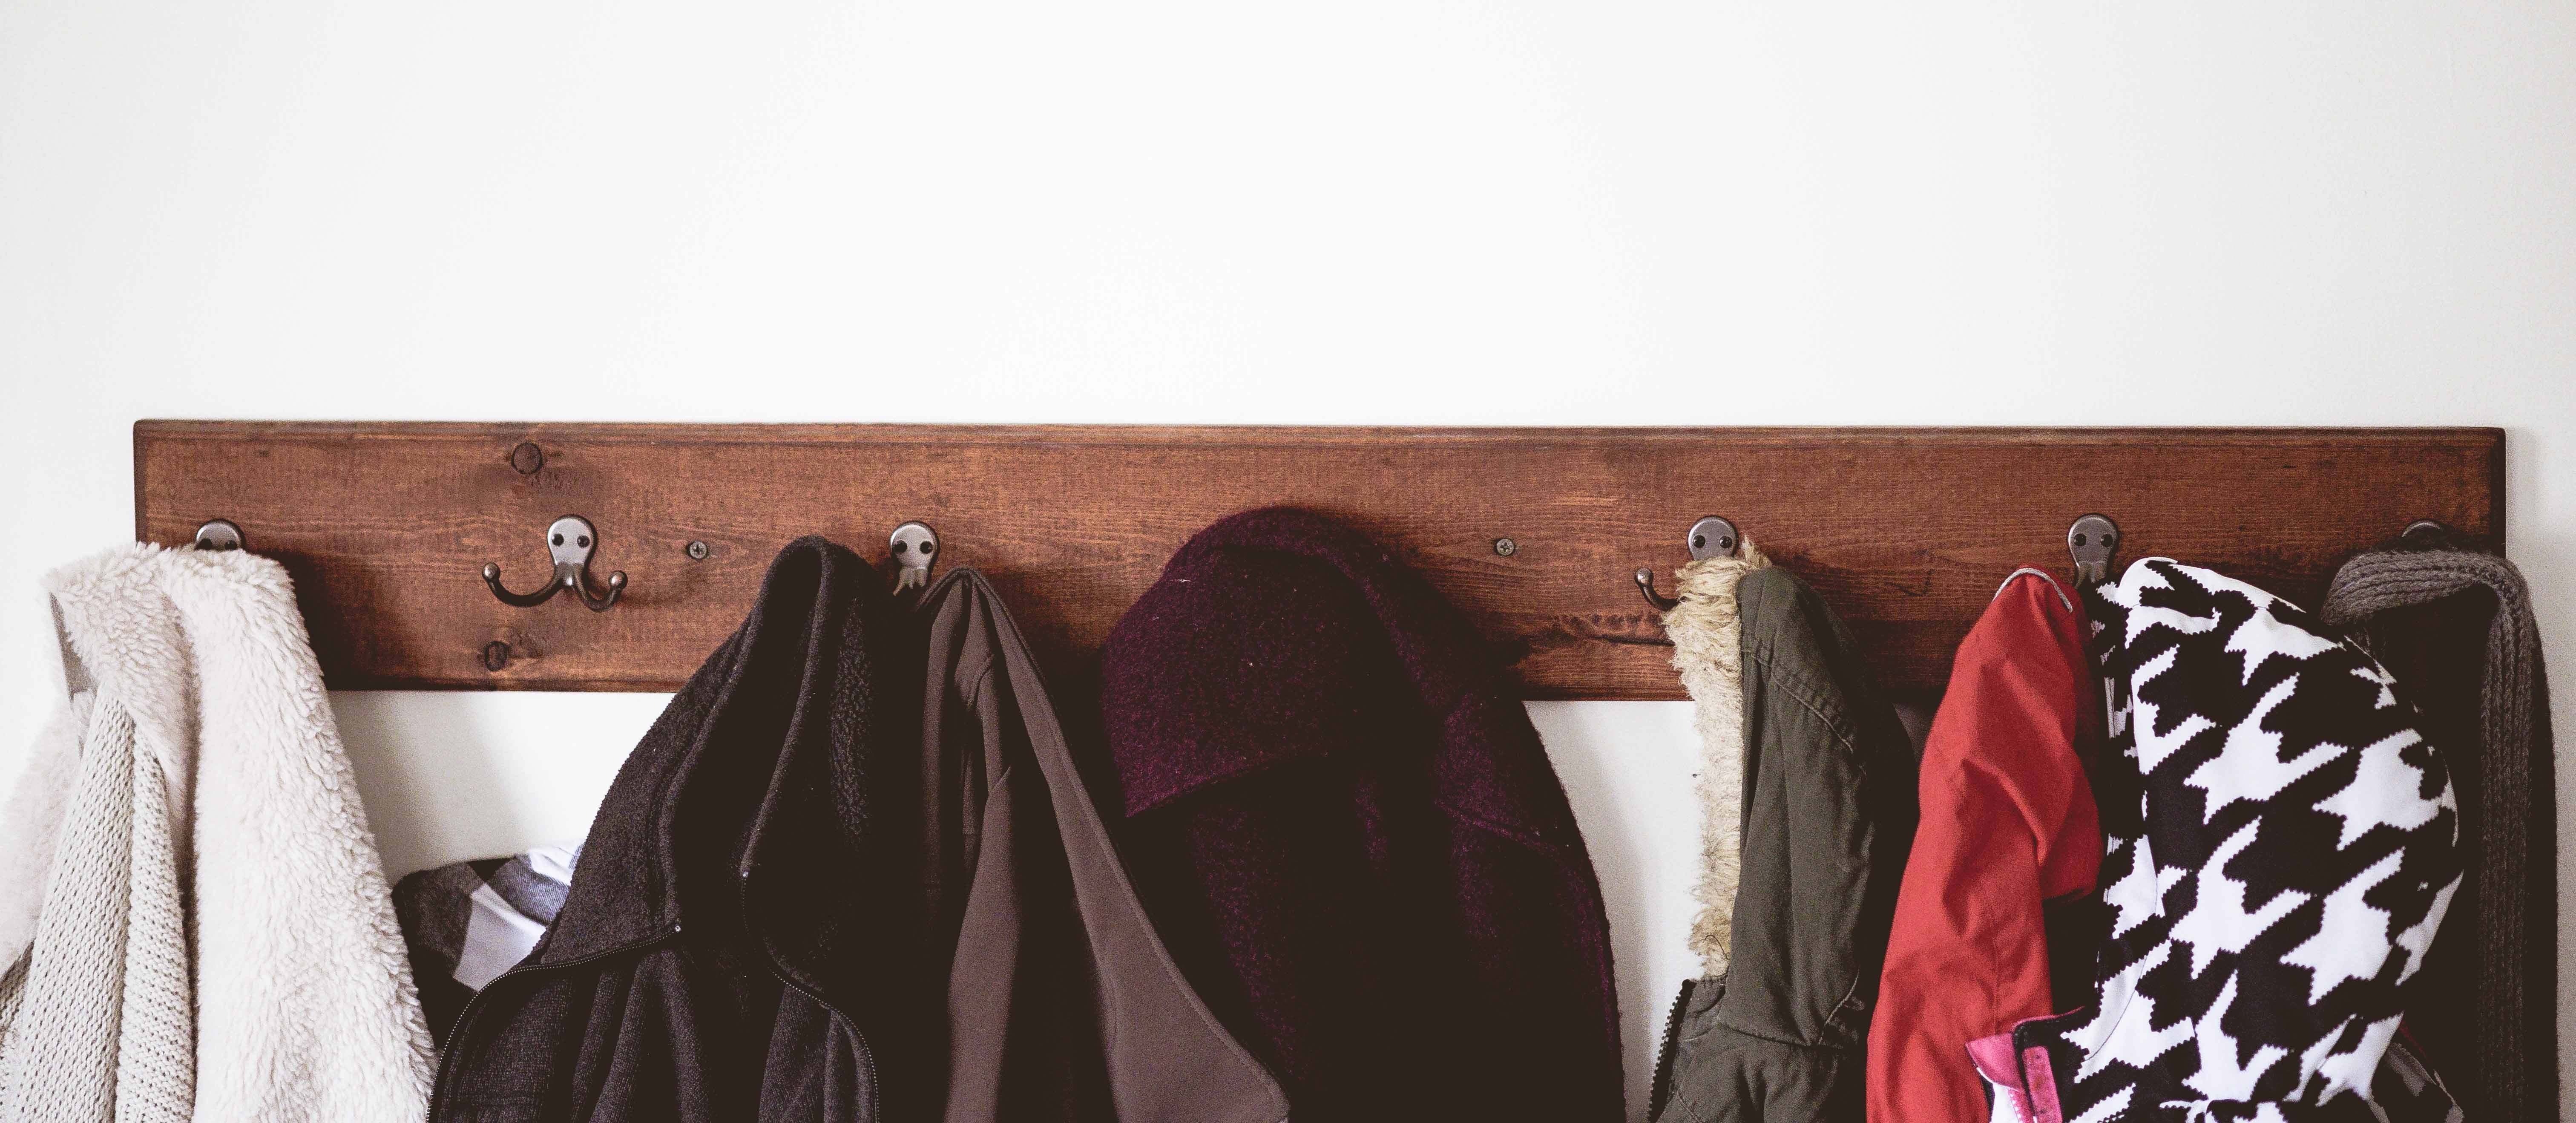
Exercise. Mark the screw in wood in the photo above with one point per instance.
(697, 551)
(1505, 547)
(527, 458)
(496, 655)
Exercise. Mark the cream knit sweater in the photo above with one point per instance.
(193, 919)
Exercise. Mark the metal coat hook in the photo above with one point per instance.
(219, 534)
(2093, 541)
(916, 549)
(570, 540)
(2421, 530)
(1711, 537)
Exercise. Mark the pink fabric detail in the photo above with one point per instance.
(2032, 1084)
(1994, 1059)
(2041, 1086)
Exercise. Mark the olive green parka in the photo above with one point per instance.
(1812, 843)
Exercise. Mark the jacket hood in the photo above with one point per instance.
(123, 637)
(1345, 823)
(148, 626)
(765, 751)
(1279, 635)
(2280, 853)
(1995, 916)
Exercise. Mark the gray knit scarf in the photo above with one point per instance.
(2411, 574)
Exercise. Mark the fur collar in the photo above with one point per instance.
(1708, 649)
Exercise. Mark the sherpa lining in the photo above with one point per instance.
(1708, 649)
(212, 935)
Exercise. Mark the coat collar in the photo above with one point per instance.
(1278, 635)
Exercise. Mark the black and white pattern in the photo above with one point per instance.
(2276, 871)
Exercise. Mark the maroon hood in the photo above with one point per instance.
(1345, 824)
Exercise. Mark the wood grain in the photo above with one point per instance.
(386, 526)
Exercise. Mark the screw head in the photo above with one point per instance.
(527, 458)
(496, 655)
(697, 551)
(1505, 547)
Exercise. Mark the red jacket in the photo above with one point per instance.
(2008, 823)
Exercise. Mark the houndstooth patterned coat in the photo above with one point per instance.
(2281, 845)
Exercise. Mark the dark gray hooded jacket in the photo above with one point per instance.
(851, 875)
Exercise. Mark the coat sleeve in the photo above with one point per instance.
(2008, 822)
(31, 821)
(95, 1008)
(94, 1012)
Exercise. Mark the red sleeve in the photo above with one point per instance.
(2008, 822)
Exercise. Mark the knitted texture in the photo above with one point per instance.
(2380, 581)
(1707, 629)
(61, 1059)
(213, 938)
(104, 1027)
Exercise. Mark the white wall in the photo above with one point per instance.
(1393, 212)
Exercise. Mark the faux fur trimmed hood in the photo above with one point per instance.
(193, 919)
(1707, 629)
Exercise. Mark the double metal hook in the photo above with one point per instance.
(1711, 537)
(570, 541)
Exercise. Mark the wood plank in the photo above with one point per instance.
(386, 526)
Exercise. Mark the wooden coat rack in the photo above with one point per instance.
(386, 527)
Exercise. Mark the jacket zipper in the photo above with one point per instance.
(778, 971)
(1662, 1088)
(867, 1053)
(465, 1015)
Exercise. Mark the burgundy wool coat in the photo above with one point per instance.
(1340, 818)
